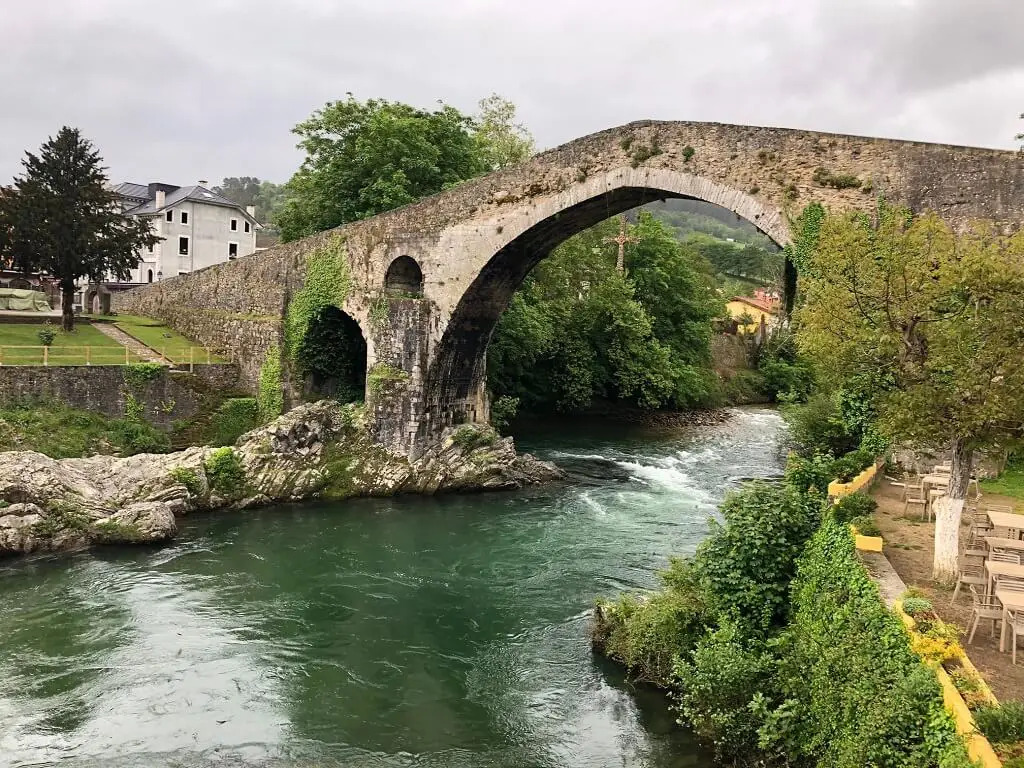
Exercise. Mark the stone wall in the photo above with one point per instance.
(476, 242)
(171, 396)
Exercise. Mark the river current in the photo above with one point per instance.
(414, 632)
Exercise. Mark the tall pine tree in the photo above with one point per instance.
(61, 219)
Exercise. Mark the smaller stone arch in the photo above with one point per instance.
(404, 277)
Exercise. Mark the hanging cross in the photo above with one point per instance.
(622, 238)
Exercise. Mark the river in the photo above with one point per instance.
(414, 632)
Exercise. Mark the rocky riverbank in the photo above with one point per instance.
(319, 450)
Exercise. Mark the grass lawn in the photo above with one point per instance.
(67, 348)
(158, 337)
(1010, 483)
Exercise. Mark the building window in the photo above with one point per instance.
(149, 249)
(183, 246)
(247, 226)
(232, 250)
(234, 225)
(184, 217)
(170, 215)
(149, 275)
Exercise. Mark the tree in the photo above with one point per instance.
(266, 196)
(364, 158)
(932, 319)
(502, 141)
(1020, 136)
(578, 331)
(61, 218)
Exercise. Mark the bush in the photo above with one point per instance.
(866, 526)
(915, 605)
(854, 505)
(817, 426)
(234, 418)
(841, 649)
(648, 634)
(503, 410)
(782, 379)
(225, 472)
(745, 566)
(718, 686)
(189, 479)
(133, 436)
(809, 476)
(46, 335)
(1003, 724)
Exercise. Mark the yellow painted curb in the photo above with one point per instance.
(837, 490)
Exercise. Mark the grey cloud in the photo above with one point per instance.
(208, 88)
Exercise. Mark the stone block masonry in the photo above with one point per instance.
(474, 244)
(171, 396)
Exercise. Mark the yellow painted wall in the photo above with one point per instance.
(737, 308)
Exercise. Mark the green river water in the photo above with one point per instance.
(419, 632)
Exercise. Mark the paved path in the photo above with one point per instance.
(135, 346)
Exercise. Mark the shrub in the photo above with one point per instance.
(47, 335)
(854, 505)
(225, 472)
(809, 476)
(915, 605)
(233, 418)
(188, 478)
(841, 649)
(718, 686)
(469, 437)
(866, 526)
(745, 566)
(817, 426)
(503, 410)
(969, 686)
(133, 436)
(1002, 724)
(782, 379)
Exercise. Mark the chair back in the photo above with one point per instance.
(999, 508)
(942, 469)
(1011, 584)
(1004, 556)
(977, 597)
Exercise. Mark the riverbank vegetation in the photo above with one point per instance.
(776, 645)
(61, 432)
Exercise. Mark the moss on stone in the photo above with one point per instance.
(327, 283)
(270, 395)
(384, 379)
(113, 531)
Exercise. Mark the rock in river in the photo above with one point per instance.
(318, 450)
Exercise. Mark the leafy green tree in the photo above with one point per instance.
(239, 189)
(932, 319)
(364, 158)
(577, 331)
(61, 218)
(501, 140)
(266, 196)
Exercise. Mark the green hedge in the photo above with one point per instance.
(782, 652)
(854, 692)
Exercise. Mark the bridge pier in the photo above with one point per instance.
(395, 379)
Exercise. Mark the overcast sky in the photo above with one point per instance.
(201, 89)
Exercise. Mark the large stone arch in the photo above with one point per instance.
(454, 389)
(763, 174)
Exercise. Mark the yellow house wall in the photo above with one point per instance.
(737, 308)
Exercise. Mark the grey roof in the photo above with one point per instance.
(193, 193)
(134, 191)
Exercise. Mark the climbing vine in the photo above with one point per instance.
(327, 284)
(269, 397)
(379, 313)
(806, 230)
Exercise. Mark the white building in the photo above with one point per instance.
(198, 228)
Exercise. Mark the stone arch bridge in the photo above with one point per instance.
(426, 283)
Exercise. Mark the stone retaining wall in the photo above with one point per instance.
(171, 396)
